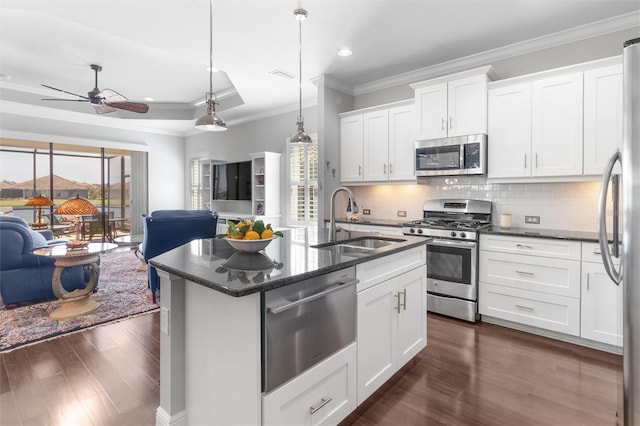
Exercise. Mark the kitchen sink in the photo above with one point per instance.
(361, 244)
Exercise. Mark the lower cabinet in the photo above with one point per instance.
(392, 327)
(322, 395)
(601, 301)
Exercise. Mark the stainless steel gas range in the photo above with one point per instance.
(452, 254)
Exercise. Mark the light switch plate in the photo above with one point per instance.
(402, 213)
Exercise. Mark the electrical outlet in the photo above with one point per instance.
(402, 213)
(532, 219)
(366, 211)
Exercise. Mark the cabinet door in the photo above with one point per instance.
(376, 145)
(602, 117)
(467, 106)
(401, 144)
(601, 306)
(510, 131)
(556, 137)
(412, 321)
(351, 148)
(376, 337)
(431, 112)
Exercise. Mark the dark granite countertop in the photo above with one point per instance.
(376, 222)
(557, 234)
(215, 264)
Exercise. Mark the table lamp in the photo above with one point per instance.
(39, 202)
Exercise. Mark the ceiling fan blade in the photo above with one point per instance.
(129, 106)
(68, 100)
(102, 108)
(64, 91)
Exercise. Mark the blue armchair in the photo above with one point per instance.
(25, 277)
(165, 230)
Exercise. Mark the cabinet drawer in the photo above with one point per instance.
(325, 394)
(553, 276)
(591, 253)
(558, 249)
(382, 269)
(551, 312)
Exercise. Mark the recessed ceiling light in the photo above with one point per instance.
(148, 99)
(212, 69)
(345, 52)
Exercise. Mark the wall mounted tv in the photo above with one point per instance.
(232, 181)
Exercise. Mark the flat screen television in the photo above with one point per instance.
(232, 181)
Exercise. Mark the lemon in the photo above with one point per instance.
(266, 234)
(251, 235)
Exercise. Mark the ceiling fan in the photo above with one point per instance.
(103, 100)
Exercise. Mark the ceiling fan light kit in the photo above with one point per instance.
(211, 121)
(300, 135)
(103, 101)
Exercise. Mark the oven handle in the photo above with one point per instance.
(282, 308)
(449, 243)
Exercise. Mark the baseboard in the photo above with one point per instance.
(164, 419)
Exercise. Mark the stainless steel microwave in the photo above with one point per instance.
(460, 155)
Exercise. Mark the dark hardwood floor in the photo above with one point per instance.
(469, 374)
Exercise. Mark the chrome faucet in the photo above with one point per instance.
(333, 229)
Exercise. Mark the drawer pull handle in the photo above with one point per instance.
(526, 308)
(404, 303)
(531, 274)
(522, 246)
(397, 308)
(323, 402)
(588, 281)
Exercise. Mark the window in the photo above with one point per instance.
(303, 184)
(196, 194)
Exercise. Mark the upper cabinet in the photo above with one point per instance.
(454, 105)
(564, 123)
(602, 116)
(376, 144)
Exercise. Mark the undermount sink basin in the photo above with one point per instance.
(361, 244)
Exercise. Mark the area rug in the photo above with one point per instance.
(122, 292)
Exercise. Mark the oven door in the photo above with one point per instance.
(451, 268)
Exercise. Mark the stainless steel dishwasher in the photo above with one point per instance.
(305, 322)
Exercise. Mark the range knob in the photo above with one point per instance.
(453, 233)
(420, 231)
(413, 231)
(463, 235)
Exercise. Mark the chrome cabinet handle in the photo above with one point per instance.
(390, 168)
(384, 168)
(398, 305)
(359, 170)
(443, 123)
(531, 274)
(526, 308)
(450, 122)
(322, 403)
(597, 252)
(536, 160)
(588, 279)
(522, 246)
(404, 303)
(278, 309)
(525, 160)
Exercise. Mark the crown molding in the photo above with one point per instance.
(333, 83)
(606, 26)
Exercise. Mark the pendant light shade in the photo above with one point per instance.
(300, 135)
(211, 121)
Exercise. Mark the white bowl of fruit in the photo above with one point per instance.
(250, 237)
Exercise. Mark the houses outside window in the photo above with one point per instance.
(303, 184)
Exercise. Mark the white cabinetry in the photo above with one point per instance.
(376, 144)
(531, 281)
(454, 105)
(265, 193)
(602, 117)
(392, 326)
(325, 394)
(535, 128)
(601, 301)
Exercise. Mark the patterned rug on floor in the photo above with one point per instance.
(122, 292)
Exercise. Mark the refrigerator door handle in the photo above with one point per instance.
(616, 276)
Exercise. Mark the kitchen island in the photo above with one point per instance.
(212, 306)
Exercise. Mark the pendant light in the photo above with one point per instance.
(211, 121)
(300, 135)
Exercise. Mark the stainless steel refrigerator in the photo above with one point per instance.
(628, 274)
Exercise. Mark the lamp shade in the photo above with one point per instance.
(76, 206)
(39, 201)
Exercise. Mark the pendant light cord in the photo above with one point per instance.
(300, 57)
(211, 49)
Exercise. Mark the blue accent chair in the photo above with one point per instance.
(165, 230)
(25, 277)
